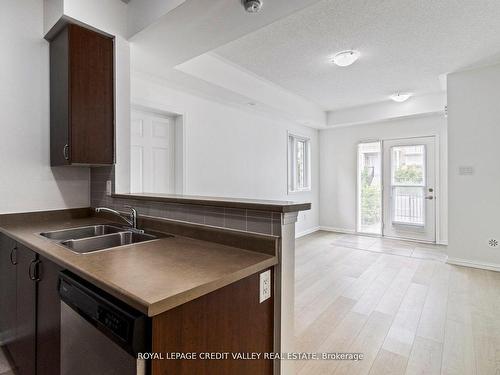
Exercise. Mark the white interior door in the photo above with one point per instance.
(409, 183)
(152, 153)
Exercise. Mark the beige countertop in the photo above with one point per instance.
(153, 276)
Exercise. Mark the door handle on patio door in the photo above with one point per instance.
(430, 197)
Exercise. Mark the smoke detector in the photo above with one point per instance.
(252, 6)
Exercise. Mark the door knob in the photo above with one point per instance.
(429, 197)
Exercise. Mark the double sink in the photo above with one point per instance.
(92, 238)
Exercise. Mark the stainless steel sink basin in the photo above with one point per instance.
(92, 238)
(87, 245)
(81, 232)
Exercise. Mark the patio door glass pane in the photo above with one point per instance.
(369, 188)
(408, 185)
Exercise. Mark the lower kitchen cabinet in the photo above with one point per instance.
(48, 338)
(8, 297)
(228, 320)
(23, 348)
(29, 309)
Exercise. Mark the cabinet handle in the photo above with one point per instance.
(13, 255)
(33, 270)
(66, 151)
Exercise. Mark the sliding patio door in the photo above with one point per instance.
(409, 180)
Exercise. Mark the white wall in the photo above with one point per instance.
(338, 166)
(231, 151)
(26, 180)
(474, 133)
(142, 13)
(52, 11)
(107, 15)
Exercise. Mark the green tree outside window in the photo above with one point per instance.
(370, 199)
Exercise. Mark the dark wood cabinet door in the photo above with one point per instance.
(48, 319)
(91, 86)
(23, 350)
(82, 104)
(8, 297)
(59, 99)
(230, 319)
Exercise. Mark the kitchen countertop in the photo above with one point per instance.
(251, 204)
(153, 276)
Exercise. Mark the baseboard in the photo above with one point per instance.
(338, 230)
(306, 232)
(472, 264)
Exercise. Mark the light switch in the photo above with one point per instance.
(265, 286)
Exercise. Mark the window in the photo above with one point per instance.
(299, 163)
(369, 188)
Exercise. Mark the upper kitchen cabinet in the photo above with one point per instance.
(82, 115)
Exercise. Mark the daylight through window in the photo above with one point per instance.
(299, 175)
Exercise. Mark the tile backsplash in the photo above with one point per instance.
(263, 222)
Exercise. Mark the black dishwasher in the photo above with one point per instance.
(100, 335)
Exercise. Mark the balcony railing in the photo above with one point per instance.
(408, 206)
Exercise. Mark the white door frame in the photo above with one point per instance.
(437, 188)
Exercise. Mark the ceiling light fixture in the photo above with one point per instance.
(400, 97)
(345, 58)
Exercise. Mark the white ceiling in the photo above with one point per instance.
(405, 45)
(196, 27)
(199, 26)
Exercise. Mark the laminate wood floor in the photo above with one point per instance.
(396, 302)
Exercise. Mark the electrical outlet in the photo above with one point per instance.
(265, 286)
(493, 242)
(108, 187)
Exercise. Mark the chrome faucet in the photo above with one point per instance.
(131, 220)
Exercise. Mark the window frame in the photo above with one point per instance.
(292, 140)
